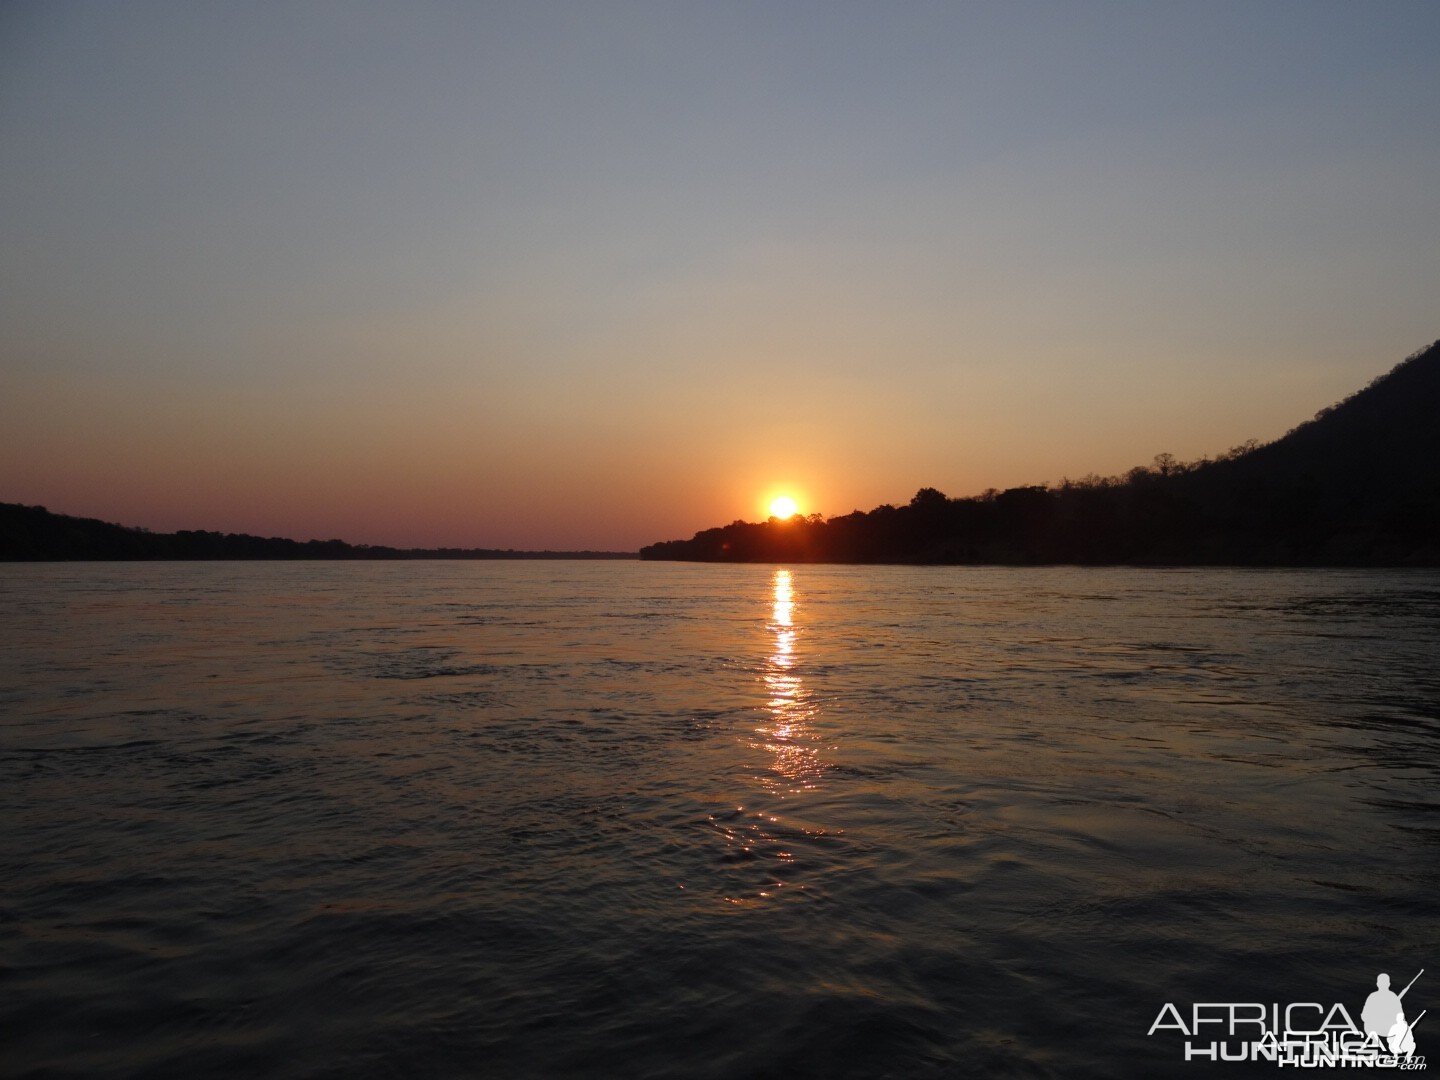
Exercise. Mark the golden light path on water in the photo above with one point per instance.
(789, 735)
(789, 739)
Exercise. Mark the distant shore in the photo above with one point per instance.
(34, 534)
(1357, 486)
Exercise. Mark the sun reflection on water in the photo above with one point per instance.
(765, 846)
(789, 734)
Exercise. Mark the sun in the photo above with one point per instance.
(783, 506)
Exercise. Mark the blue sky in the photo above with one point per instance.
(598, 274)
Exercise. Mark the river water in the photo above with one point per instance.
(555, 819)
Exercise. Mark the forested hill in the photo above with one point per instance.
(32, 534)
(1359, 485)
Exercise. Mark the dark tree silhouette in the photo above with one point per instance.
(1358, 485)
(32, 534)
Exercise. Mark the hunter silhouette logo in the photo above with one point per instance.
(1384, 1017)
(1302, 1033)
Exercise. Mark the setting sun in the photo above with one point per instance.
(783, 506)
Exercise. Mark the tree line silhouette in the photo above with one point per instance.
(33, 534)
(1358, 485)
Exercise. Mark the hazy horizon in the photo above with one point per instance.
(589, 276)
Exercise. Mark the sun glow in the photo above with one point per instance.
(783, 506)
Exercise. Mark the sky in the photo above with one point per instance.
(595, 274)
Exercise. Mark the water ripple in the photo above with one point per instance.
(576, 819)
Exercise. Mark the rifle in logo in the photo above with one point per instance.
(1411, 982)
(1383, 1008)
(1401, 1036)
(1402, 1039)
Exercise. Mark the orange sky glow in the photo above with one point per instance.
(580, 276)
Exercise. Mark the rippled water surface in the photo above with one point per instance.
(656, 820)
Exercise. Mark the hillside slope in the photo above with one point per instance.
(1359, 485)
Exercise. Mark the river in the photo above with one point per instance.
(574, 819)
